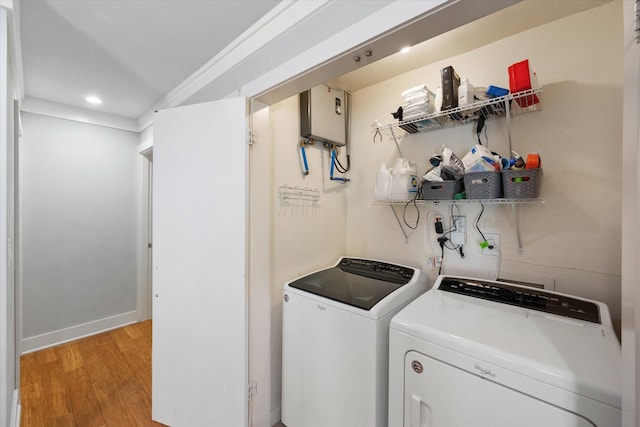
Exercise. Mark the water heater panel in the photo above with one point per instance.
(323, 115)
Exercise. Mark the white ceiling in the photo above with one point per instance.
(129, 53)
(133, 53)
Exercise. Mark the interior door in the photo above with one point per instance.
(199, 229)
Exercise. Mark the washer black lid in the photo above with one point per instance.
(356, 282)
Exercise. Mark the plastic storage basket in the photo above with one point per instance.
(441, 190)
(483, 185)
(521, 184)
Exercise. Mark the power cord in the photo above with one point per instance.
(417, 196)
(341, 168)
(454, 227)
(442, 241)
(484, 243)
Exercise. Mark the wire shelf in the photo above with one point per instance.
(491, 109)
(500, 201)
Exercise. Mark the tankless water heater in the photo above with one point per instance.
(323, 113)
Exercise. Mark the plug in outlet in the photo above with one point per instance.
(494, 245)
(459, 230)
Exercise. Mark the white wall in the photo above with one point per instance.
(574, 238)
(79, 221)
(303, 238)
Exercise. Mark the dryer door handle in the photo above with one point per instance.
(420, 412)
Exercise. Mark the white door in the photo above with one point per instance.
(199, 265)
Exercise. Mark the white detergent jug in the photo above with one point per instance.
(404, 180)
(383, 183)
(465, 93)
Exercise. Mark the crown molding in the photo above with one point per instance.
(280, 19)
(62, 111)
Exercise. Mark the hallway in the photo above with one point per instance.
(102, 380)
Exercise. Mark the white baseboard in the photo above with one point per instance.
(16, 409)
(276, 415)
(50, 339)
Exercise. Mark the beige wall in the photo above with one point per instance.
(304, 238)
(573, 239)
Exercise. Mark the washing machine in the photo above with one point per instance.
(483, 353)
(335, 347)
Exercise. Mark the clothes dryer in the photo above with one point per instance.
(488, 354)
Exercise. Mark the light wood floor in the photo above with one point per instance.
(103, 380)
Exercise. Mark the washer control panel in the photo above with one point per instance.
(377, 270)
(524, 297)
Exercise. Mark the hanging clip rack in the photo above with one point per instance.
(298, 196)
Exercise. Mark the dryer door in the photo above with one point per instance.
(440, 394)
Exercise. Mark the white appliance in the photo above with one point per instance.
(335, 342)
(487, 354)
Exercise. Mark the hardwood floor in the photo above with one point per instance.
(103, 380)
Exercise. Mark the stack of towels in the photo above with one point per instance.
(417, 102)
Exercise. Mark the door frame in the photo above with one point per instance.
(144, 286)
(630, 212)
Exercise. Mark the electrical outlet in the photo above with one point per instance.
(494, 245)
(458, 230)
(459, 223)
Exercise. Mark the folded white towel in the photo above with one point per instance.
(423, 109)
(414, 90)
(415, 104)
(415, 115)
(413, 98)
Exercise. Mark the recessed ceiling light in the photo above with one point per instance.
(94, 100)
(405, 49)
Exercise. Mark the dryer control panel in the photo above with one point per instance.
(524, 297)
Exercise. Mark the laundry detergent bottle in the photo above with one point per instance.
(383, 183)
(404, 180)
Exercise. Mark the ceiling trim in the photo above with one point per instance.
(280, 19)
(67, 112)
